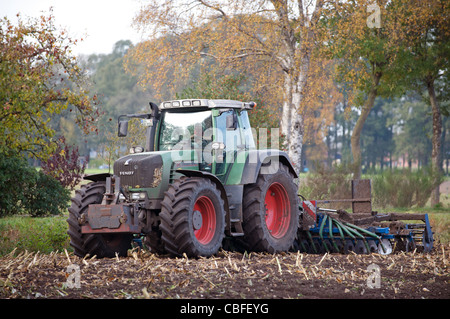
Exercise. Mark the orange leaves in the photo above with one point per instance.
(270, 42)
(320, 99)
(38, 78)
(205, 35)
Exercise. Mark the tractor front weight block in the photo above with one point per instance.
(118, 218)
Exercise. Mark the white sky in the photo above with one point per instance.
(101, 23)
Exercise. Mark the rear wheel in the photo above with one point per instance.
(271, 212)
(278, 210)
(192, 218)
(93, 244)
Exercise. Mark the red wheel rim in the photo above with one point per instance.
(206, 232)
(278, 210)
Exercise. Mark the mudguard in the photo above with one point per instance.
(213, 178)
(266, 162)
(97, 177)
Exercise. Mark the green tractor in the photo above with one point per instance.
(197, 183)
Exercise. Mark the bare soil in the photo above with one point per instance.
(229, 275)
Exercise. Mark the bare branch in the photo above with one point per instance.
(214, 8)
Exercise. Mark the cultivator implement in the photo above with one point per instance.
(362, 231)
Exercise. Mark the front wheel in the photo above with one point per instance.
(192, 218)
(271, 212)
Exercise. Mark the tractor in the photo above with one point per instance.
(197, 182)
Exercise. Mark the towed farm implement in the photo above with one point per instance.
(362, 231)
(194, 182)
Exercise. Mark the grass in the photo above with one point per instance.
(44, 234)
(91, 171)
(440, 222)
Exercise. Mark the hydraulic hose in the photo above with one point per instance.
(369, 233)
(330, 231)
(312, 241)
(325, 216)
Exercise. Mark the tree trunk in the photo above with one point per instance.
(436, 142)
(296, 133)
(285, 122)
(356, 134)
(296, 63)
(292, 120)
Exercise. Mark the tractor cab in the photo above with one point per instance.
(204, 135)
(207, 134)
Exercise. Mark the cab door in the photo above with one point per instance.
(227, 141)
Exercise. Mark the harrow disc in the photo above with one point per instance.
(386, 244)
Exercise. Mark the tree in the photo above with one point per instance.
(320, 114)
(119, 93)
(39, 78)
(377, 134)
(412, 124)
(383, 53)
(427, 39)
(269, 41)
(367, 55)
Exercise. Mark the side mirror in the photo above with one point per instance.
(231, 122)
(123, 128)
(155, 110)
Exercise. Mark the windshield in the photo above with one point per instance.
(179, 129)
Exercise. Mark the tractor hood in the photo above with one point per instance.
(139, 170)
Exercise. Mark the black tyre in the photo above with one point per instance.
(93, 244)
(271, 212)
(192, 218)
(153, 241)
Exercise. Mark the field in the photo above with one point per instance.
(229, 275)
(36, 262)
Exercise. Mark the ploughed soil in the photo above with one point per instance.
(228, 275)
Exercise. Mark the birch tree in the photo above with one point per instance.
(269, 41)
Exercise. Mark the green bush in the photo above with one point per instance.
(390, 188)
(14, 174)
(402, 188)
(45, 196)
(25, 190)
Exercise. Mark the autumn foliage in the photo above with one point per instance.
(39, 77)
(268, 41)
(64, 165)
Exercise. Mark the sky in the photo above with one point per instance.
(101, 23)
